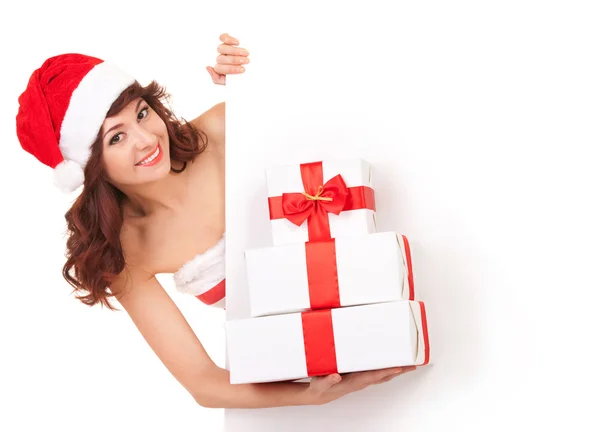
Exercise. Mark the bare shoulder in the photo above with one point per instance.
(212, 123)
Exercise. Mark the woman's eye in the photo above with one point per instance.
(141, 113)
(113, 140)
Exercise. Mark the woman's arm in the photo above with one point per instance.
(168, 333)
(221, 394)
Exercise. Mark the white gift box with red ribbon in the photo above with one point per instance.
(315, 343)
(320, 200)
(345, 271)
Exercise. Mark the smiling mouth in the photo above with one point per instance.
(151, 157)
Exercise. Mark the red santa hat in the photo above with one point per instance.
(62, 110)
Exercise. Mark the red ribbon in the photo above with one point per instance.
(411, 282)
(425, 332)
(319, 344)
(319, 199)
(321, 269)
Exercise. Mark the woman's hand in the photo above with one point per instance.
(331, 387)
(214, 389)
(230, 60)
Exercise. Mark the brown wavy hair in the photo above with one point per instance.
(94, 254)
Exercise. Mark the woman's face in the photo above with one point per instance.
(135, 145)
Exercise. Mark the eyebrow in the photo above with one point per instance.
(121, 124)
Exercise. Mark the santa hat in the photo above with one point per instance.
(62, 110)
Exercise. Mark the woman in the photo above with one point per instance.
(152, 202)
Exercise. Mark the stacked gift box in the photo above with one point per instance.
(332, 295)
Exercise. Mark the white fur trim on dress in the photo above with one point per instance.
(203, 272)
(68, 176)
(87, 109)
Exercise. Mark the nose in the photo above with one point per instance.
(143, 138)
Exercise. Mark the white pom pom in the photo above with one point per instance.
(68, 176)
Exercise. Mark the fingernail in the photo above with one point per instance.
(241, 69)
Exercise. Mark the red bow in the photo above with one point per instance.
(318, 200)
(328, 198)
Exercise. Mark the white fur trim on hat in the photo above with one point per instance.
(87, 110)
(68, 175)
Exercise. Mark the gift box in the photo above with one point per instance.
(344, 271)
(320, 200)
(350, 339)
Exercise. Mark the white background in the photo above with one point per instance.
(66, 366)
(482, 121)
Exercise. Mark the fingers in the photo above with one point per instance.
(387, 378)
(225, 38)
(322, 384)
(357, 380)
(231, 57)
(361, 380)
(232, 60)
(231, 50)
(217, 79)
(212, 72)
(370, 377)
(396, 374)
(228, 69)
(379, 375)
